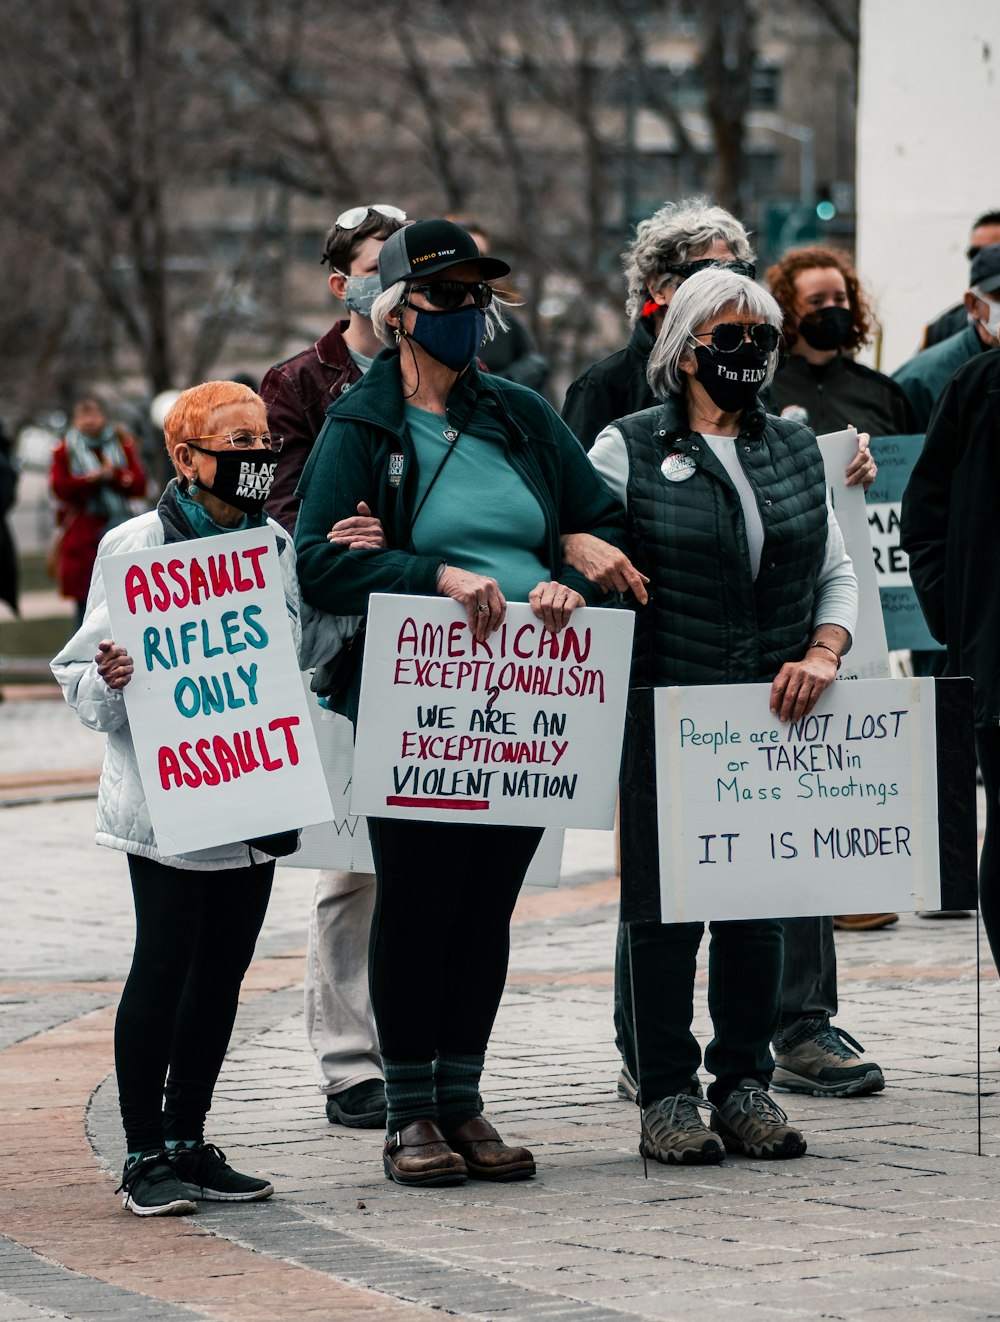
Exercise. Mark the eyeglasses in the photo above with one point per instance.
(684, 269)
(447, 295)
(355, 216)
(728, 336)
(239, 440)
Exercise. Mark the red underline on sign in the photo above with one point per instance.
(461, 805)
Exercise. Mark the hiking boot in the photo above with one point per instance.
(207, 1175)
(673, 1132)
(628, 1089)
(360, 1107)
(151, 1188)
(751, 1123)
(823, 1065)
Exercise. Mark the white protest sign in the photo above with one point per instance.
(522, 730)
(836, 813)
(342, 844)
(216, 710)
(869, 654)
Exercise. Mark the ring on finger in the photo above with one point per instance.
(482, 607)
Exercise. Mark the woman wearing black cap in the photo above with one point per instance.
(474, 479)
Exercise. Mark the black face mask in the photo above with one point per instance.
(827, 328)
(731, 380)
(243, 478)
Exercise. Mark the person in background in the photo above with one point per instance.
(473, 479)
(95, 472)
(8, 495)
(197, 914)
(338, 1014)
(924, 376)
(677, 240)
(985, 231)
(511, 352)
(727, 513)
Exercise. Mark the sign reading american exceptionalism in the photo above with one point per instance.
(216, 708)
(524, 729)
(862, 806)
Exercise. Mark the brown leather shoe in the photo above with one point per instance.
(487, 1156)
(418, 1154)
(864, 922)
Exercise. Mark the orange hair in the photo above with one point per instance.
(781, 282)
(188, 416)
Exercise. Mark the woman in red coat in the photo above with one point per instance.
(95, 471)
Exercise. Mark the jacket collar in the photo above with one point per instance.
(673, 422)
(642, 339)
(331, 349)
(176, 525)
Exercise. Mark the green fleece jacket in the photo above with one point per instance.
(364, 453)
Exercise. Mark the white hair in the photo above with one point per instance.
(679, 232)
(703, 296)
(390, 299)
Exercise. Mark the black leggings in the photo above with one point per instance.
(194, 939)
(441, 932)
(988, 753)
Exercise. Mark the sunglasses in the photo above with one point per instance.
(728, 336)
(355, 216)
(684, 269)
(447, 295)
(239, 440)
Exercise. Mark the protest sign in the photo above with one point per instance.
(867, 804)
(869, 654)
(524, 729)
(216, 709)
(342, 844)
(904, 620)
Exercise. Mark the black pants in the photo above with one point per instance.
(194, 939)
(988, 753)
(441, 931)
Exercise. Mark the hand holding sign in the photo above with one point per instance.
(114, 665)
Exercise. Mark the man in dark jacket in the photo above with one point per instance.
(985, 230)
(951, 533)
(679, 239)
(297, 393)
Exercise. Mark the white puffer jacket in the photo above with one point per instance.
(122, 815)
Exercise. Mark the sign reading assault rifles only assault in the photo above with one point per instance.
(524, 729)
(836, 813)
(216, 709)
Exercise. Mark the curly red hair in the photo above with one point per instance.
(781, 282)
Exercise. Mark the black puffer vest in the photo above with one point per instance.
(708, 621)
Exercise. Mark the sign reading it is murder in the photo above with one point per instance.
(842, 812)
(215, 705)
(524, 729)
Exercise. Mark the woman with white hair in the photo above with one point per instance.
(473, 480)
(676, 241)
(749, 581)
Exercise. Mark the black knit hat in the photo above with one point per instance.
(429, 246)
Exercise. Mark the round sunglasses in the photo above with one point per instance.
(728, 336)
(355, 216)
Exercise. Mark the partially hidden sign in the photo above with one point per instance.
(216, 709)
(524, 729)
(854, 809)
(904, 620)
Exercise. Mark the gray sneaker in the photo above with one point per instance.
(673, 1132)
(824, 1065)
(750, 1122)
(628, 1089)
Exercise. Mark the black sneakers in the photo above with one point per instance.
(360, 1107)
(152, 1188)
(204, 1173)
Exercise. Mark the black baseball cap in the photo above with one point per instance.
(984, 273)
(429, 246)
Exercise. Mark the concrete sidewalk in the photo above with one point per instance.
(891, 1210)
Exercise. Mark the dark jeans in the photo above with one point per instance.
(808, 979)
(441, 931)
(657, 962)
(194, 939)
(988, 752)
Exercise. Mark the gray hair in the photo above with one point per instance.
(390, 299)
(679, 232)
(702, 296)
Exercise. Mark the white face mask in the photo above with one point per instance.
(993, 323)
